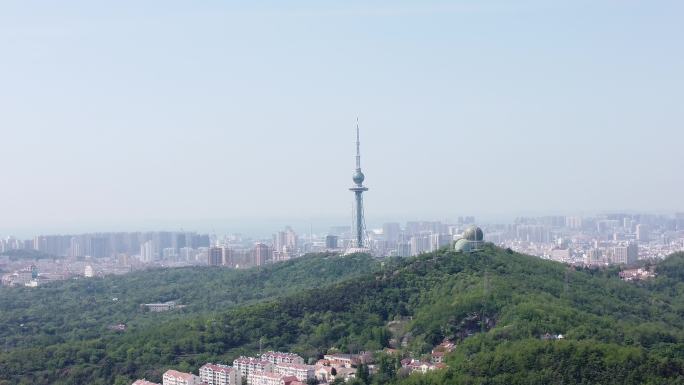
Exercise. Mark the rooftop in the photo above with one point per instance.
(177, 374)
(217, 367)
(267, 374)
(295, 366)
(251, 360)
(144, 382)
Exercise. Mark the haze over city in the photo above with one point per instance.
(171, 115)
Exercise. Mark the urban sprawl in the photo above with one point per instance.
(590, 241)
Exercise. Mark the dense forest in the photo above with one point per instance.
(495, 304)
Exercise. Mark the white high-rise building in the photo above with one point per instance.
(148, 252)
(419, 244)
(187, 254)
(169, 253)
(438, 240)
(285, 241)
(642, 233)
(75, 249)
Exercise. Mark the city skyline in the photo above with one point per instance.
(617, 239)
(263, 228)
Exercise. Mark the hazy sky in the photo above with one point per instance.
(122, 114)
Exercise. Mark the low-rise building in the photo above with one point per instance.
(344, 360)
(420, 366)
(144, 382)
(174, 377)
(247, 365)
(301, 371)
(636, 274)
(159, 307)
(325, 373)
(437, 357)
(267, 378)
(216, 374)
(280, 357)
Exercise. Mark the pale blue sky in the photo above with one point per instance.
(125, 113)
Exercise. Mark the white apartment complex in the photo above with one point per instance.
(144, 382)
(280, 357)
(216, 374)
(301, 371)
(269, 378)
(247, 365)
(174, 377)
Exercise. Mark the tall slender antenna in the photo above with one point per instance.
(358, 146)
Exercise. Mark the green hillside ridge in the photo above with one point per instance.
(83, 309)
(494, 303)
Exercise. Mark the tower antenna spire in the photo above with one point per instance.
(358, 146)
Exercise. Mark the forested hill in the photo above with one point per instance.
(83, 309)
(495, 304)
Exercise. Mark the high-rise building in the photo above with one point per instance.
(358, 189)
(642, 232)
(148, 251)
(404, 249)
(632, 253)
(187, 254)
(228, 257)
(262, 254)
(215, 256)
(98, 246)
(169, 253)
(391, 231)
(291, 239)
(438, 240)
(420, 244)
(285, 241)
(331, 242)
(75, 248)
(532, 233)
(619, 254)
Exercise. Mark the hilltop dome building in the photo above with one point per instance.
(473, 233)
(471, 240)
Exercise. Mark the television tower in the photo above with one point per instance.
(358, 189)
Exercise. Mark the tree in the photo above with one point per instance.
(362, 373)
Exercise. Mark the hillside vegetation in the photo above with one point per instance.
(82, 309)
(495, 304)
